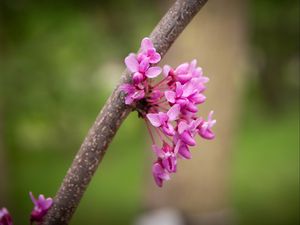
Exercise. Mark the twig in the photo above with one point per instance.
(110, 118)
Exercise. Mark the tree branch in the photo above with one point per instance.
(110, 118)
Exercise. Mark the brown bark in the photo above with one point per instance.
(110, 118)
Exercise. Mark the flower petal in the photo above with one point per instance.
(173, 112)
(166, 70)
(128, 100)
(187, 138)
(154, 119)
(155, 58)
(170, 96)
(144, 65)
(184, 151)
(132, 63)
(182, 68)
(182, 126)
(138, 95)
(153, 72)
(146, 44)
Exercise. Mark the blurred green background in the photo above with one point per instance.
(59, 61)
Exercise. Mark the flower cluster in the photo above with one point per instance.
(169, 105)
(41, 206)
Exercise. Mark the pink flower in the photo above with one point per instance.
(164, 120)
(41, 206)
(187, 95)
(5, 217)
(167, 156)
(185, 72)
(204, 129)
(169, 105)
(148, 51)
(141, 68)
(159, 173)
(183, 149)
(186, 133)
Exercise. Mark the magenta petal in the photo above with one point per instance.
(168, 129)
(198, 98)
(179, 89)
(159, 174)
(128, 100)
(138, 95)
(182, 126)
(127, 88)
(191, 107)
(184, 151)
(193, 64)
(155, 58)
(182, 69)
(190, 88)
(169, 164)
(153, 72)
(132, 63)
(166, 70)
(158, 180)
(163, 117)
(154, 119)
(146, 44)
(173, 112)
(32, 198)
(137, 78)
(144, 65)
(183, 78)
(47, 203)
(187, 138)
(207, 134)
(155, 95)
(170, 96)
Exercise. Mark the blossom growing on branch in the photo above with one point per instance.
(41, 207)
(170, 105)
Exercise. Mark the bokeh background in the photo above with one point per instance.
(60, 60)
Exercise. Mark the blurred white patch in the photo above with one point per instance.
(164, 216)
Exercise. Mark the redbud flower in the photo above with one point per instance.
(5, 217)
(41, 206)
(160, 174)
(169, 105)
(205, 127)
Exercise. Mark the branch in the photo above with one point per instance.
(110, 118)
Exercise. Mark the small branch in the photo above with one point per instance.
(110, 118)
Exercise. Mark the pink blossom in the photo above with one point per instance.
(164, 120)
(205, 127)
(186, 133)
(183, 150)
(41, 206)
(167, 156)
(170, 105)
(5, 217)
(159, 173)
(185, 72)
(187, 95)
(148, 51)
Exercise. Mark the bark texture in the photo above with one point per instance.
(110, 118)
